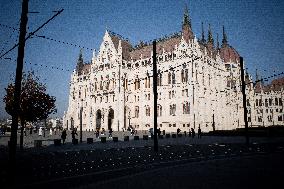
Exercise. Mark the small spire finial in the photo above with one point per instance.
(217, 41)
(225, 40)
(186, 19)
(202, 35)
(210, 37)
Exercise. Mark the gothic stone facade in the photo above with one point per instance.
(198, 85)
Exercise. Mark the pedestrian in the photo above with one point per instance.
(103, 131)
(178, 130)
(192, 132)
(110, 133)
(63, 136)
(25, 131)
(73, 133)
(189, 132)
(31, 130)
(199, 132)
(50, 131)
(159, 132)
(40, 131)
(97, 133)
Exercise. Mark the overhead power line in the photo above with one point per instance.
(32, 33)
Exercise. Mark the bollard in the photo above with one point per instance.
(184, 133)
(168, 135)
(75, 141)
(126, 138)
(103, 139)
(136, 137)
(161, 136)
(57, 142)
(145, 137)
(90, 140)
(38, 143)
(164, 132)
(115, 139)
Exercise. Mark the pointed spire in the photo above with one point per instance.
(202, 34)
(256, 75)
(80, 63)
(217, 41)
(210, 36)
(186, 26)
(224, 40)
(80, 59)
(186, 19)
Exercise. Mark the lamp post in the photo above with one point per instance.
(129, 120)
(81, 112)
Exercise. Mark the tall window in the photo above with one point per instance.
(173, 109)
(184, 75)
(147, 82)
(125, 84)
(147, 111)
(159, 110)
(137, 83)
(169, 78)
(159, 80)
(136, 111)
(186, 108)
(173, 78)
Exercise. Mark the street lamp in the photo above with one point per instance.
(81, 112)
(129, 120)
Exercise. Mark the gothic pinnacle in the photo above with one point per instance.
(224, 40)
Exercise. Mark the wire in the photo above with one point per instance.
(32, 33)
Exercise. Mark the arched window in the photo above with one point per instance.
(182, 75)
(159, 80)
(173, 78)
(147, 111)
(185, 108)
(169, 78)
(136, 111)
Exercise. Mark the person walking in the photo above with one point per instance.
(199, 132)
(63, 136)
(178, 131)
(97, 133)
(110, 133)
(73, 133)
(192, 132)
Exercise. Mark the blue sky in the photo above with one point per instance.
(254, 28)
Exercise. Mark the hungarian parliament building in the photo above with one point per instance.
(199, 84)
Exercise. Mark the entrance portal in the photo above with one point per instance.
(98, 119)
(110, 118)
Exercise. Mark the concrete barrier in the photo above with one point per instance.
(103, 139)
(126, 138)
(145, 137)
(57, 142)
(38, 143)
(115, 139)
(75, 141)
(90, 140)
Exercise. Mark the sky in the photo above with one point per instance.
(254, 28)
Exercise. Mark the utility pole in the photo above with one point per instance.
(244, 99)
(17, 93)
(81, 124)
(155, 95)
